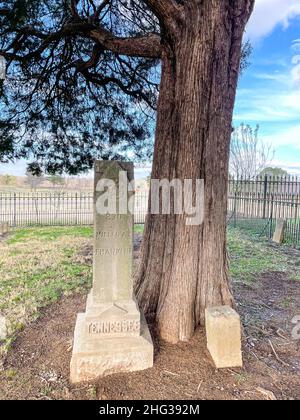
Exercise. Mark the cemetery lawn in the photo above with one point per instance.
(45, 274)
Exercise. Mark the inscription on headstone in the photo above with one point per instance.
(114, 327)
(111, 336)
(112, 252)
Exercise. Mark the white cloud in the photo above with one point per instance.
(292, 168)
(275, 102)
(296, 59)
(285, 137)
(295, 73)
(283, 78)
(296, 46)
(269, 105)
(270, 13)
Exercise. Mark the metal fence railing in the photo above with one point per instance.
(266, 184)
(256, 204)
(252, 204)
(56, 209)
(259, 214)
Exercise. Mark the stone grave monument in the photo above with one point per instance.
(112, 336)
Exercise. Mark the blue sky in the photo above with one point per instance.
(269, 91)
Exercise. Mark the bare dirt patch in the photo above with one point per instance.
(37, 367)
(183, 371)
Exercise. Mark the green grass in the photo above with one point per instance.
(38, 266)
(250, 258)
(264, 229)
(295, 277)
(55, 233)
(138, 229)
(49, 233)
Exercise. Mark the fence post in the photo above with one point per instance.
(15, 209)
(295, 226)
(265, 196)
(76, 208)
(234, 210)
(271, 216)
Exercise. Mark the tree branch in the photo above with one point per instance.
(146, 46)
(103, 81)
(4, 12)
(100, 8)
(73, 8)
(164, 9)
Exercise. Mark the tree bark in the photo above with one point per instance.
(184, 268)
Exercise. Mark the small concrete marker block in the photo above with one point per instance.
(278, 237)
(3, 228)
(224, 336)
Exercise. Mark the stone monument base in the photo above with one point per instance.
(101, 357)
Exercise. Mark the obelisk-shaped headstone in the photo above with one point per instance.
(111, 309)
(111, 336)
(113, 236)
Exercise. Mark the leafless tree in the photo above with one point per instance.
(249, 153)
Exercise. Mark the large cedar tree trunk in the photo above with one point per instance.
(184, 268)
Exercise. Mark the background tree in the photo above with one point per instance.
(271, 171)
(148, 179)
(249, 154)
(8, 180)
(69, 58)
(34, 181)
(56, 180)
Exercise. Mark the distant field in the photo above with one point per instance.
(29, 190)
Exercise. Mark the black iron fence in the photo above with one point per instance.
(266, 184)
(259, 215)
(254, 205)
(56, 209)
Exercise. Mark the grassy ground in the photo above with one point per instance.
(262, 229)
(249, 258)
(38, 266)
(47, 271)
